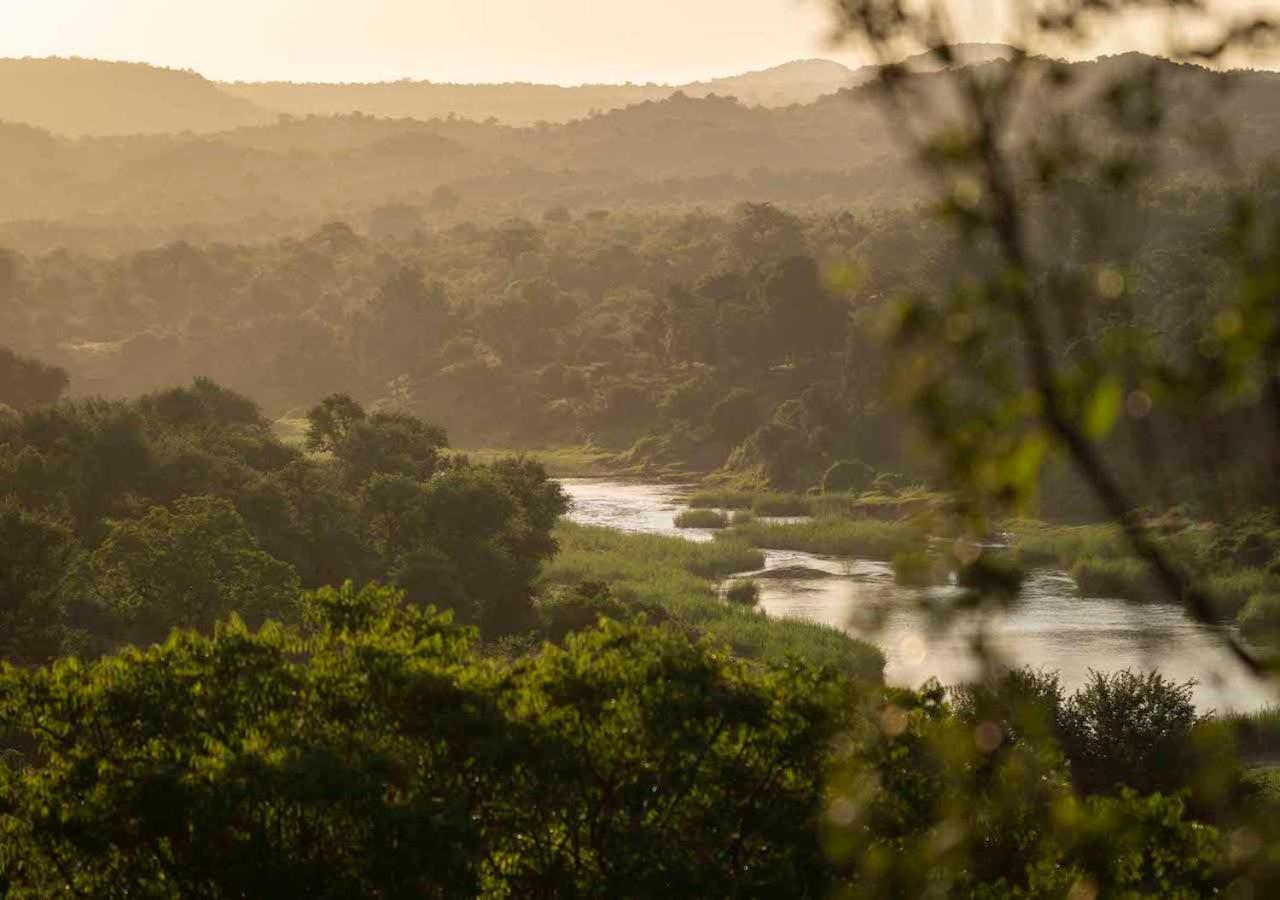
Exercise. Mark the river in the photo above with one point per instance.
(1050, 626)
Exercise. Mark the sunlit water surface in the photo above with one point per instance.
(1050, 627)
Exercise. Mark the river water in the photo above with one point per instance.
(1050, 626)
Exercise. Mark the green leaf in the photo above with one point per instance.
(1103, 409)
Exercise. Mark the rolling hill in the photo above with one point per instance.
(78, 97)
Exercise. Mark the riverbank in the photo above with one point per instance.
(682, 579)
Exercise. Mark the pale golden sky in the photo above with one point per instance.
(560, 41)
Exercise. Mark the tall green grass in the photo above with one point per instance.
(1064, 546)
(702, 518)
(677, 575)
(762, 503)
(1256, 733)
(1124, 577)
(831, 536)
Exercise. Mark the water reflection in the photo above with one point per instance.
(1050, 627)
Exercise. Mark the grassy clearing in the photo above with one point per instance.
(831, 536)
(676, 575)
(702, 518)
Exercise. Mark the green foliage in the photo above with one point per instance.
(1260, 618)
(644, 571)
(1128, 578)
(977, 802)
(36, 556)
(189, 508)
(26, 383)
(848, 475)
(1129, 729)
(322, 764)
(187, 568)
(919, 568)
(833, 537)
(701, 518)
(743, 592)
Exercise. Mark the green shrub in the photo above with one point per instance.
(1127, 578)
(743, 592)
(781, 505)
(721, 500)
(565, 611)
(848, 476)
(1131, 730)
(743, 517)
(994, 572)
(702, 518)
(917, 568)
(1260, 618)
(1025, 703)
(1232, 591)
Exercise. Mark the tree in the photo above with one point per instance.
(764, 233)
(26, 383)
(36, 557)
(373, 752)
(188, 568)
(329, 424)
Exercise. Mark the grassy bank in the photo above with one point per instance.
(833, 505)
(702, 518)
(560, 462)
(833, 536)
(1101, 561)
(678, 576)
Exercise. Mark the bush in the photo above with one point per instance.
(702, 518)
(781, 505)
(916, 568)
(743, 517)
(1125, 577)
(1129, 729)
(721, 500)
(1260, 619)
(743, 592)
(848, 476)
(1025, 703)
(563, 612)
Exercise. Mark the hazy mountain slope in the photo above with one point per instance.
(91, 97)
(801, 81)
(681, 151)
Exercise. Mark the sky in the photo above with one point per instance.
(552, 41)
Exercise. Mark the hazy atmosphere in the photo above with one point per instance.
(764, 449)
(551, 41)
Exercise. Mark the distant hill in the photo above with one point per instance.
(800, 81)
(85, 97)
(90, 97)
(293, 174)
